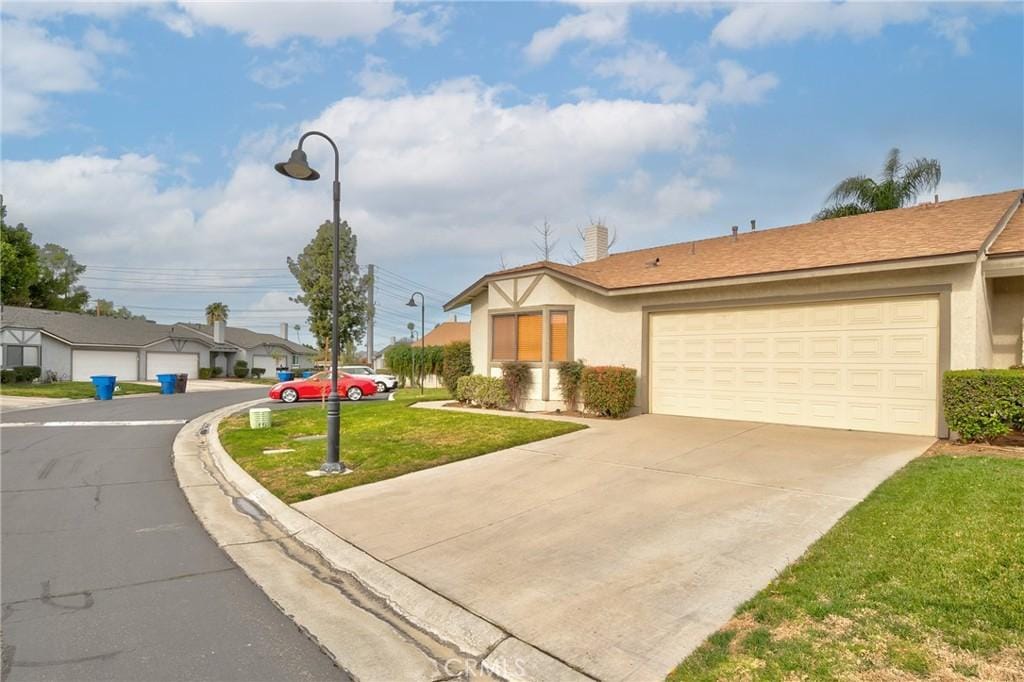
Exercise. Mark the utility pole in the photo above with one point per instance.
(369, 317)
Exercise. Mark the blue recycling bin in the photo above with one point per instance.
(307, 373)
(285, 376)
(104, 385)
(167, 382)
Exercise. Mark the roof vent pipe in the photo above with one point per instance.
(735, 231)
(753, 224)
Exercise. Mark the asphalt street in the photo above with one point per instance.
(107, 574)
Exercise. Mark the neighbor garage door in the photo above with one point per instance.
(122, 364)
(866, 364)
(266, 363)
(172, 363)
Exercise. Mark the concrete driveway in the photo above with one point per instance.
(618, 549)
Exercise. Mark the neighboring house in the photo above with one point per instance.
(846, 323)
(447, 332)
(76, 346)
(378, 357)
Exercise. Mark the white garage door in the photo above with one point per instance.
(867, 364)
(122, 364)
(266, 362)
(172, 363)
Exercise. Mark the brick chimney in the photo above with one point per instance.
(595, 243)
(284, 330)
(218, 331)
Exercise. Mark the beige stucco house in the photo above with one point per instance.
(846, 323)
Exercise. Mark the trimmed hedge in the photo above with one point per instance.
(488, 392)
(257, 372)
(981, 404)
(570, 374)
(216, 371)
(241, 369)
(466, 388)
(457, 363)
(608, 391)
(517, 379)
(7, 376)
(27, 373)
(205, 372)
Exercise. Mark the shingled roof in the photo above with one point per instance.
(1011, 239)
(85, 330)
(944, 228)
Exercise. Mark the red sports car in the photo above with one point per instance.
(319, 385)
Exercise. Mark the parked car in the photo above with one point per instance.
(385, 382)
(319, 385)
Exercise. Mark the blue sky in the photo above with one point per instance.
(142, 136)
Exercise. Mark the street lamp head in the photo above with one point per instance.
(297, 167)
(412, 302)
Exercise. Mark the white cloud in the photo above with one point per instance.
(597, 23)
(376, 79)
(266, 24)
(287, 70)
(956, 30)
(35, 65)
(101, 42)
(755, 25)
(451, 173)
(737, 85)
(647, 69)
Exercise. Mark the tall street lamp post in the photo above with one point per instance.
(297, 168)
(423, 318)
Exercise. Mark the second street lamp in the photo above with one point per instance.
(423, 318)
(297, 168)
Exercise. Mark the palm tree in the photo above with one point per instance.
(298, 329)
(217, 312)
(898, 186)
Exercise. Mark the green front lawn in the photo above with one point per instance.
(924, 578)
(379, 440)
(70, 389)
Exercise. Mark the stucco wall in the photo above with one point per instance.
(56, 357)
(608, 330)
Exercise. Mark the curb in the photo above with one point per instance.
(219, 491)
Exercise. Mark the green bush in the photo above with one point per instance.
(457, 362)
(517, 378)
(204, 373)
(466, 388)
(492, 393)
(981, 404)
(216, 371)
(570, 374)
(608, 391)
(241, 369)
(257, 372)
(27, 373)
(481, 391)
(7, 376)
(408, 362)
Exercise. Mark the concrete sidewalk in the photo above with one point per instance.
(619, 548)
(374, 621)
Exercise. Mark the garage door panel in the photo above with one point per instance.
(868, 365)
(159, 362)
(87, 363)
